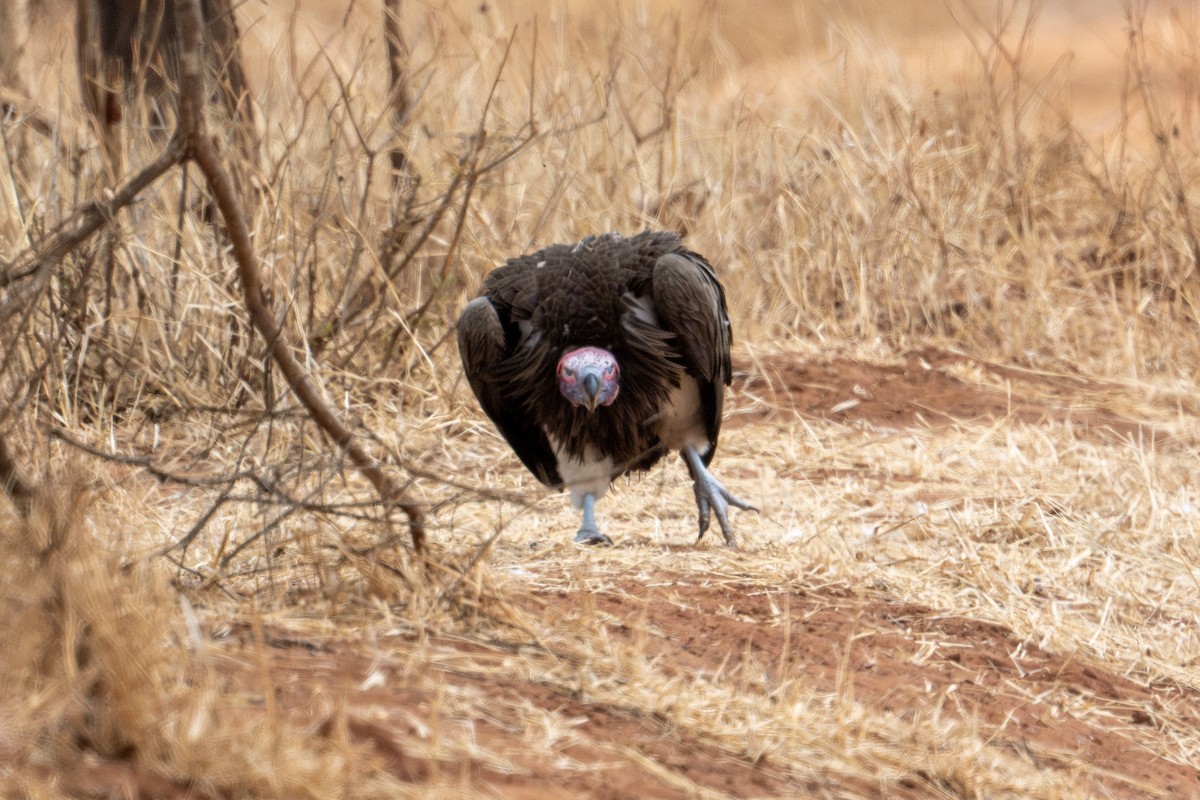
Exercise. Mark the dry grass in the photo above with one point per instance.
(859, 196)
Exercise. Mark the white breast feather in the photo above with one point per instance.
(589, 475)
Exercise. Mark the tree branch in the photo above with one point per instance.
(201, 150)
(39, 263)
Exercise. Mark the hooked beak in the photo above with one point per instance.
(590, 383)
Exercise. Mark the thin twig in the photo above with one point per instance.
(202, 151)
(38, 263)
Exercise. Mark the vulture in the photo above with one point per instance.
(596, 359)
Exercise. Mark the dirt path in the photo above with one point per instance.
(906, 658)
(926, 391)
(539, 737)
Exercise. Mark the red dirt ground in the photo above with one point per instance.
(923, 392)
(900, 657)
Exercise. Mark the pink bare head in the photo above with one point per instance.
(589, 377)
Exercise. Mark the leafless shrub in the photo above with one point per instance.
(86, 347)
(849, 204)
(97, 664)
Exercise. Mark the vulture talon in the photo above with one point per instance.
(704, 510)
(591, 536)
(597, 359)
(712, 496)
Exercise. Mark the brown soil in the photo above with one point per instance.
(908, 659)
(923, 392)
(905, 659)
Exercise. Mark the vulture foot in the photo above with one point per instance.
(588, 532)
(711, 497)
(591, 536)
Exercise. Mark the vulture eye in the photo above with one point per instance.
(568, 372)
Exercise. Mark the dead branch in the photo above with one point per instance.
(37, 264)
(404, 177)
(266, 485)
(23, 109)
(201, 149)
(395, 257)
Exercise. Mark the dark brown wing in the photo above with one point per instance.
(690, 303)
(484, 345)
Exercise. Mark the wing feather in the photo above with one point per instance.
(483, 345)
(690, 303)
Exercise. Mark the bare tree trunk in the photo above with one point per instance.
(403, 178)
(128, 55)
(228, 76)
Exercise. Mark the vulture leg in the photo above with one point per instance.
(712, 496)
(588, 532)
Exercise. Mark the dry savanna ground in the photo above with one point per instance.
(961, 251)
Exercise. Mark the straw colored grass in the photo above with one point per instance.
(206, 598)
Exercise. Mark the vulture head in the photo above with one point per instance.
(589, 377)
